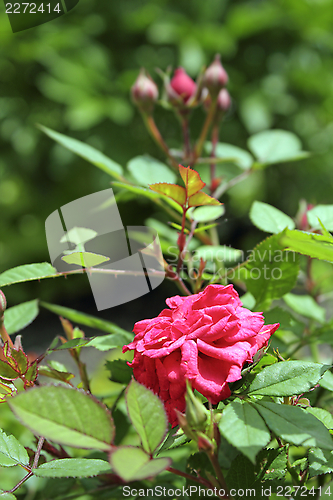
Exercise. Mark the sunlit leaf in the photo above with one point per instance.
(270, 219)
(84, 259)
(176, 193)
(66, 416)
(133, 464)
(72, 467)
(202, 198)
(18, 317)
(28, 272)
(191, 179)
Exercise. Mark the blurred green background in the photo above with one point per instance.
(74, 75)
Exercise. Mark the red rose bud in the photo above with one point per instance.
(3, 303)
(144, 92)
(215, 77)
(182, 86)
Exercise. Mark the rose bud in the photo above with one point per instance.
(196, 413)
(223, 101)
(215, 77)
(3, 303)
(144, 92)
(181, 87)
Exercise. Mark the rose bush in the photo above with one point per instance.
(205, 338)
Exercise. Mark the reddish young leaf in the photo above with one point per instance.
(191, 179)
(176, 193)
(199, 199)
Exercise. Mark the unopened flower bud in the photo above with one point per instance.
(3, 303)
(223, 101)
(182, 87)
(196, 413)
(215, 77)
(205, 444)
(144, 92)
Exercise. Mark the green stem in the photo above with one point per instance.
(216, 466)
(156, 135)
(215, 138)
(204, 131)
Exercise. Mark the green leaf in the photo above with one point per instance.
(242, 477)
(176, 193)
(18, 317)
(72, 467)
(220, 253)
(272, 464)
(120, 371)
(28, 272)
(11, 451)
(270, 272)
(206, 214)
(306, 306)
(232, 153)
(191, 179)
(86, 320)
(244, 428)
(276, 146)
(323, 415)
(85, 151)
(6, 496)
(327, 381)
(269, 219)
(133, 464)
(287, 378)
(7, 371)
(85, 259)
(146, 170)
(202, 198)
(107, 342)
(147, 414)
(320, 462)
(66, 416)
(316, 246)
(322, 212)
(295, 425)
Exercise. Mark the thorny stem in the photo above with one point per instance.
(37, 454)
(204, 131)
(156, 135)
(224, 187)
(19, 483)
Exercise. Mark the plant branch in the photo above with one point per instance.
(37, 454)
(19, 483)
(224, 187)
(204, 131)
(197, 479)
(156, 135)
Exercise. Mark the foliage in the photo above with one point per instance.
(274, 431)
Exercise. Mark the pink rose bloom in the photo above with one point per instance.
(205, 338)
